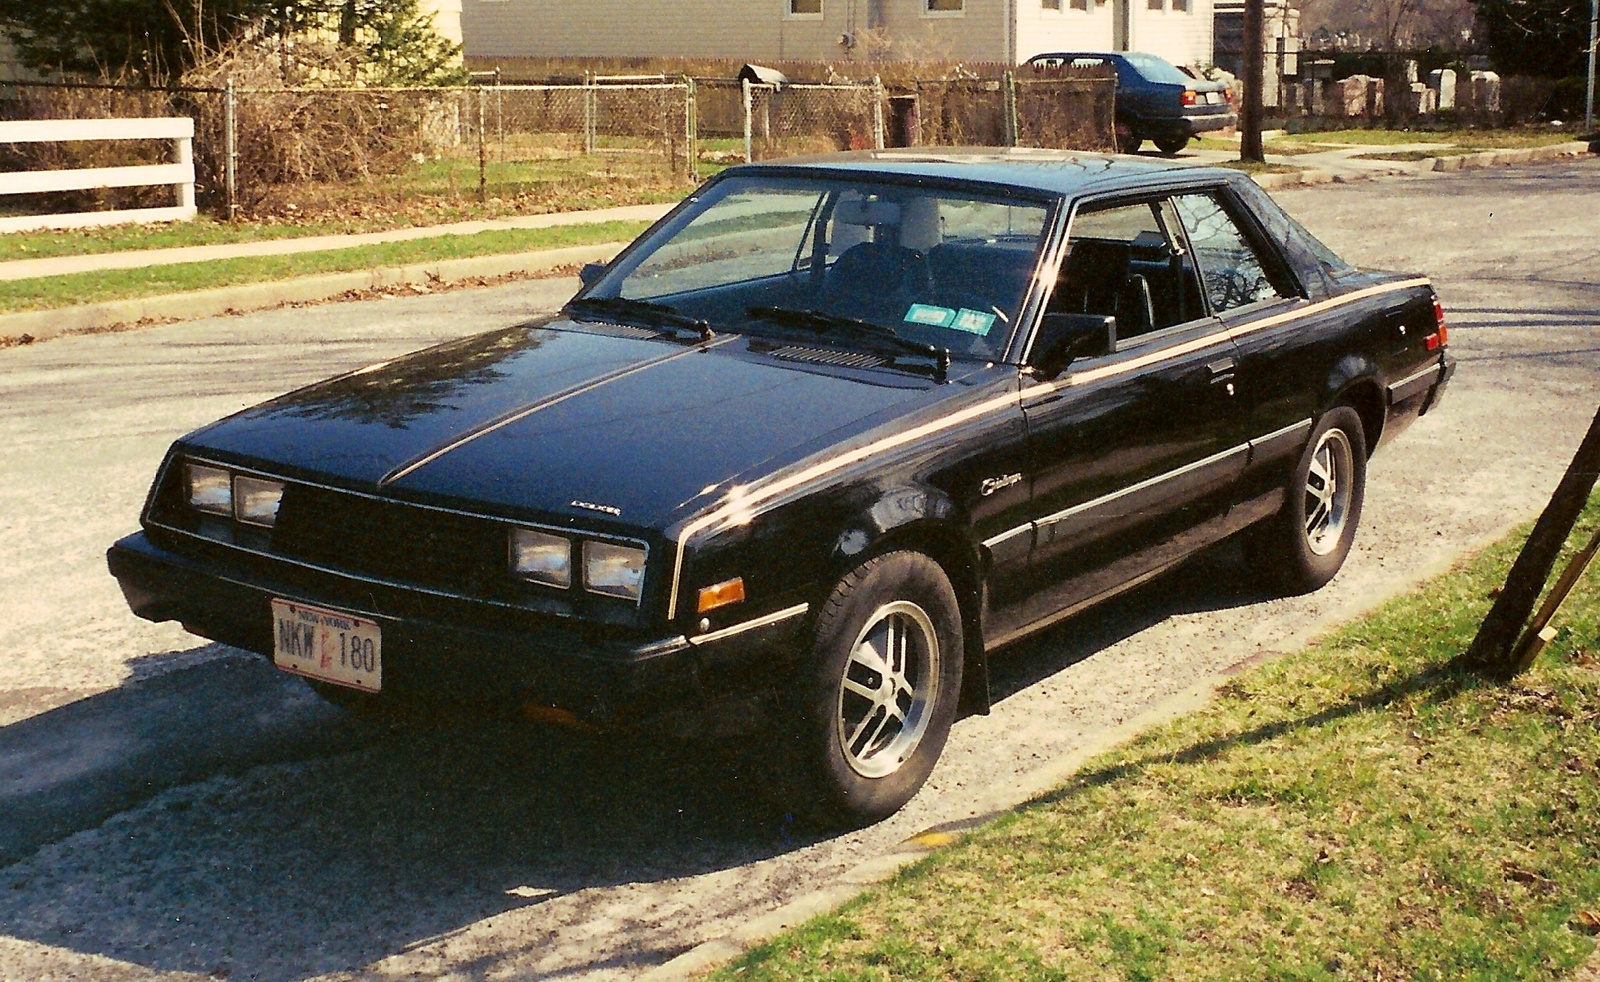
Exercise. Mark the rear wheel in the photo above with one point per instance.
(1128, 138)
(1171, 145)
(1303, 546)
(879, 694)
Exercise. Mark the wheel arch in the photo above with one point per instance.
(1354, 383)
(947, 543)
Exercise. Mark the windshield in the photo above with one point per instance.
(945, 268)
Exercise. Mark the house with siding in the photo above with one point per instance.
(1009, 31)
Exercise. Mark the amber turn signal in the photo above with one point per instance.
(721, 594)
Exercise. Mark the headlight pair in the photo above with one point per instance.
(608, 569)
(215, 491)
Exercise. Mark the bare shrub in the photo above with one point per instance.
(288, 136)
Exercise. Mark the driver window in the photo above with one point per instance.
(1122, 262)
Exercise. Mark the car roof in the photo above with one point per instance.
(1064, 172)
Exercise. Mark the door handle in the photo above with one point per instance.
(1223, 367)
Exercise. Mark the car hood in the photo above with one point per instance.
(557, 419)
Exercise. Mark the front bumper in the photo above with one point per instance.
(436, 651)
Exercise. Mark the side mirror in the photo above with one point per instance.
(1064, 338)
(590, 274)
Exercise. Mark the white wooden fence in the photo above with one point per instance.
(179, 174)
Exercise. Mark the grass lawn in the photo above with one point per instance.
(433, 192)
(1254, 168)
(81, 288)
(1280, 147)
(1476, 139)
(1416, 155)
(1356, 810)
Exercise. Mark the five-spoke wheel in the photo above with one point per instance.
(1302, 547)
(890, 681)
(876, 698)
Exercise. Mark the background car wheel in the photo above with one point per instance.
(1303, 546)
(1128, 139)
(880, 691)
(1172, 145)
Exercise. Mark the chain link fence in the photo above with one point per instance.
(335, 153)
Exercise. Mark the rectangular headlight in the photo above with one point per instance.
(542, 557)
(612, 570)
(209, 489)
(256, 501)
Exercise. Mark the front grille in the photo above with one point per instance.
(823, 356)
(391, 541)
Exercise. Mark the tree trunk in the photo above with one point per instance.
(347, 24)
(1254, 68)
(1491, 651)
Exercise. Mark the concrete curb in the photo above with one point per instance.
(1505, 158)
(1475, 161)
(880, 869)
(43, 324)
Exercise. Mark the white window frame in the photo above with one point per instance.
(789, 13)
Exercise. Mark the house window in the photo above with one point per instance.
(1080, 5)
(1158, 4)
(943, 8)
(1180, 6)
(1050, 4)
(805, 8)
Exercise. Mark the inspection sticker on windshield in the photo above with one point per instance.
(973, 322)
(921, 313)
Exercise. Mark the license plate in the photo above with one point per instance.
(327, 645)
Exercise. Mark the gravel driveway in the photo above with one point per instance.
(177, 807)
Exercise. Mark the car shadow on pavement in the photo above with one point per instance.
(294, 840)
(229, 821)
(1216, 579)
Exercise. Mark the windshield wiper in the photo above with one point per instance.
(823, 322)
(650, 313)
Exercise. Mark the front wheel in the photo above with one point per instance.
(879, 693)
(1302, 547)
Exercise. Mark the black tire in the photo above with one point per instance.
(1302, 547)
(857, 761)
(1171, 145)
(1128, 139)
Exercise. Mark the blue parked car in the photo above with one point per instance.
(1155, 99)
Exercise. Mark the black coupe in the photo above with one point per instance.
(820, 440)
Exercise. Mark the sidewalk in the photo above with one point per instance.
(1349, 162)
(24, 269)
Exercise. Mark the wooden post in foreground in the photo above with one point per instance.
(1492, 650)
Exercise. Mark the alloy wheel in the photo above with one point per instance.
(890, 682)
(1329, 484)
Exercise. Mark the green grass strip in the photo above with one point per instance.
(1356, 810)
(52, 292)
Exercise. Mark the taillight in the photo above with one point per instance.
(1190, 97)
(1441, 335)
(1228, 94)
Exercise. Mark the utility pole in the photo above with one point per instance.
(1254, 68)
(1594, 30)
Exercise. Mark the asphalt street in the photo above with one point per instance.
(171, 808)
